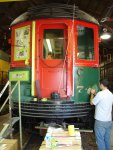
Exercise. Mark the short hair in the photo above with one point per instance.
(105, 82)
(49, 53)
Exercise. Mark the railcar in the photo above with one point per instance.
(54, 55)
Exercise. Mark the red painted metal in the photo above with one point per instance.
(50, 73)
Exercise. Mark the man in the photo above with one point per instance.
(49, 56)
(103, 102)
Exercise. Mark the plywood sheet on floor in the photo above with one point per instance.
(3, 119)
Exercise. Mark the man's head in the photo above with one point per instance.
(104, 84)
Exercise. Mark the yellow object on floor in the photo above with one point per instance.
(71, 130)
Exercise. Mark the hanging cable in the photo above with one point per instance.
(72, 31)
(73, 51)
(107, 15)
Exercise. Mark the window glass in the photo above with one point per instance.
(85, 43)
(53, 44)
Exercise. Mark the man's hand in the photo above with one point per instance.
(93, 91)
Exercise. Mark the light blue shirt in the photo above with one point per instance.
(103, 102)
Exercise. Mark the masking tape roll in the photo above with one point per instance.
(71, 130)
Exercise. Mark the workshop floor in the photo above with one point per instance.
(88, 142)
(88, 139)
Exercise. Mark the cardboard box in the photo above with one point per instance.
(62, 137)
(8, 144)
(63, 140)
(63, 147)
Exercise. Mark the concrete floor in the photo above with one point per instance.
(89, 142)
(88, 139)
(3, 119)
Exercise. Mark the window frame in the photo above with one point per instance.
(20, 63)
(64, 43)
(51, 26)
(83, 62)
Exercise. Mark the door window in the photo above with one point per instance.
(53, 44)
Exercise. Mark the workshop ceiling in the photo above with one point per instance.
(102, 10)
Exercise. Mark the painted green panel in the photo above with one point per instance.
(25, 83)
(84, 79)
(19, 75)
(25, 90)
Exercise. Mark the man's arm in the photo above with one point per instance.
(93, 93)
(91, 99)
(95, 99)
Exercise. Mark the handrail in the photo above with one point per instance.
(19, 103)
(3, 105)
(3, 90)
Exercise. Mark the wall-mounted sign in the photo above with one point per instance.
(19, 75)
(22, 43)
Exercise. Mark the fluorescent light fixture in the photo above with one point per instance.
(105, 36)
(49, 45)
